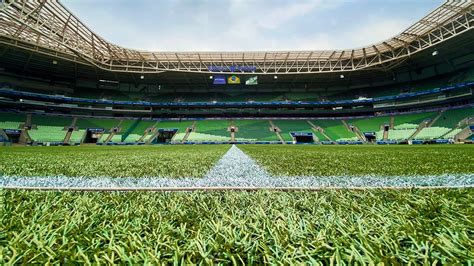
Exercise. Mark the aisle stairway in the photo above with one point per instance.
(189, 130)
(277, 131)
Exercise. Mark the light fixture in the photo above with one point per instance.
(55, 62)
(142, 77)
(341, 76)
(275, 77)
(210, 77)
(435, 53)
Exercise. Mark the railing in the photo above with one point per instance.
(64, 99)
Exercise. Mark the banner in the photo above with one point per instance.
(253, 80)
(233, 80)
(219, 80)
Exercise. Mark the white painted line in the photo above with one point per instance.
(237, 171)
(183, 189)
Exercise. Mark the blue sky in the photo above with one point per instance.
(248, 25)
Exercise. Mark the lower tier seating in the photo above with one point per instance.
(76, 136)
(255, 130)
(452, 133)
(200, 137)
(133, 138)
(400, 134)
(432, 133)
(336, 130)
(47, 134)
(9, 124)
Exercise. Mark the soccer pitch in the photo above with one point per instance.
(179, 161)
(365, 227)
(235, 227)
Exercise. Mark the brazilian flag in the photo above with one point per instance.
(233, 80)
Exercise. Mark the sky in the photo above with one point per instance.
(248, 25)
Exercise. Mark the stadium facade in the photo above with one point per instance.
(414, 87)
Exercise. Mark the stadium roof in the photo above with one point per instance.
(47, 27)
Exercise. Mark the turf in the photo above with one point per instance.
(359, 227)
(299, 160)
(93, 161)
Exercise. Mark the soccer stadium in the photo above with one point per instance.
(114, 155)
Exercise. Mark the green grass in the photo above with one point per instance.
(93, 161)
(363, 160)
(330, 227)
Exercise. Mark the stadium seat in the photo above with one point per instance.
(76, 136)
(432, 133)
(47, 134)
(400, 134)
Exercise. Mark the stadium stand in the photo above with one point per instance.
(406, 126)
(400, 134)
(47, 134)
(452, 133)
(336, 130)
(11, 120)
(77, 136)
(58, 121)
(372, 124)
(405, 121)
(451, 118)
(202, 137)
(103, 138)
(107, 124)
(255, 130)
(54, 128)
(288, 126)
(181, 126)
(432, 133)
(210, 130)
(49, 129)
